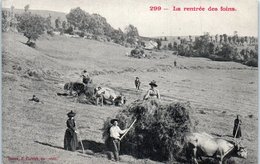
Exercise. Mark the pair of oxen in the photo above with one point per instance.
(101, 94)
(200, 145)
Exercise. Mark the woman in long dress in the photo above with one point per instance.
(237, 128)
(70, 138)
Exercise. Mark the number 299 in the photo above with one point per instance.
(155, 8)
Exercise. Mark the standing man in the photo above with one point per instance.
(70, 138)
(115, 132)
(137, 83)
(237, 128)
(175, 63)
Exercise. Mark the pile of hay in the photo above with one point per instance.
(158, 131)
(88, 96)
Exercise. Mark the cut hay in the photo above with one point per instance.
(88, 97)
(158, 131)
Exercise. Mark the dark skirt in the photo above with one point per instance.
(239, 134)
(70, 140)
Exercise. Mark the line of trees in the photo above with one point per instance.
(219, 47)
(77, 22)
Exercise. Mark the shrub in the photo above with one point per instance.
(32, 26)
(252, 62)
(158, 131)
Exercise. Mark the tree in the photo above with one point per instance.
(190, 39)
(246, 39)
(26, 8)
(225, 38)
(216, 38)
(64, 25)
(220, 38)
(229, 39)
(76, 17)
(48, 23)
(58, 23)
(32, 26)
(131, 31)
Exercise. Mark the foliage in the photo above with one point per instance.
(32, 26)
(76, 17)
(5, 21)
(58, 23)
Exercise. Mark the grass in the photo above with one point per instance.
(220, 89)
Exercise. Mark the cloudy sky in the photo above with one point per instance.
(120, 13)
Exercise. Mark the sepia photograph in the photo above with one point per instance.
(130, 81)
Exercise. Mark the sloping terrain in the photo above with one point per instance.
(217, 91)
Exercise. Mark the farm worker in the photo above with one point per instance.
(152, 92)
(34, 98)
(114, 133)
(98, 96)
(70, 138)
(137, 83)
(175, 63)
(85, 77)
(237, 130)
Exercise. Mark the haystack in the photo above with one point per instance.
(88, 97)
(158, 131)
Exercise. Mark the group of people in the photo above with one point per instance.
(152, 92)
(71, 140)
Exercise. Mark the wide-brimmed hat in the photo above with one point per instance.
(113, 120)
(153, 83)
(71, 114)
(137, 77)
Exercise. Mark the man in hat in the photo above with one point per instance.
(237, 130)
(152, 92)
(70, 138)
(137, 83)
(115, 133)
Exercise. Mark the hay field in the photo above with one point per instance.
(217, 91)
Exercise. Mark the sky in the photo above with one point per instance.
(120, 13)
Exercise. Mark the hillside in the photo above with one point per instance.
(217, 91)
(43, 13)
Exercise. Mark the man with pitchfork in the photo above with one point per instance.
(114, 134)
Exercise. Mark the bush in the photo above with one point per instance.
(252, 62)
(50, 32)
(158, 131)
(32, 26)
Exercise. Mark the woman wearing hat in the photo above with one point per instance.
(152, 92)
(115, 133)
(70, 138)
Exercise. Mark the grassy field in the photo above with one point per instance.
(217, 92)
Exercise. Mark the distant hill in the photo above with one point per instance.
(43, 13)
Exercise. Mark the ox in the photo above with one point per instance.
(79, 88)
(108, 96)
(203, 144)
